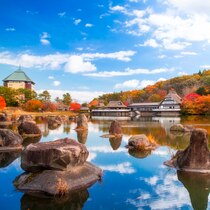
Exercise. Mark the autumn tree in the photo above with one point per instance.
(49, 106)
(33, 105)
(74, 106)
(44, 96)
(10, 96)
(2, 103)
(67, 99)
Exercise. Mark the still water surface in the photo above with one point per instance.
(130, 180)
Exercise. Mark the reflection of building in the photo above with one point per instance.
(114, 108)
(19, 79)
(169, 106)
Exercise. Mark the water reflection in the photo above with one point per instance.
(82, 136)
(6, 158)
(198, 186)
(139, 153)
(75, 201)
(115, 142)
(31, 140)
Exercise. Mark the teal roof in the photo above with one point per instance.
(18, 75)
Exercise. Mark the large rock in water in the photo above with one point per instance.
(115, 128)
(82, 122)
(9, 138)
(61, 154)
(196, 157)
(60, 183)
(26, 118)
(29, 128)
(181, 128)
(54, 122)
(140, 142)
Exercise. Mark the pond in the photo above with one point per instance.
(130, 180)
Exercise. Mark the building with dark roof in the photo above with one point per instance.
(19, 79)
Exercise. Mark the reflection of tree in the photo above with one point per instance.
(115, 142)
(6, 158)
(45, 133)
(198, 186)
(82, 136)
(74, 201)
(66, 128)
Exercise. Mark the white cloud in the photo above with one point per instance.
(152, 181)
(127, 72)
(162, 56)
(91, 156)
(205, 66)
(44, 38)
(81, 96)
(56, 83)
(118, 8)
(188, 53)
(122, 168)
(77, 21)
(134, 84)
(51, 77)
(61, 14)
(88, 25)
(10, 29)
(151, 43)
(71, 63)
(76, 64)
(182, 73)
(181, 24)
(120, 55)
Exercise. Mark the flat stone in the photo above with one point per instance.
(61, 154)
(9, 138)
(140, 142)
(54, 182)
(196, 157)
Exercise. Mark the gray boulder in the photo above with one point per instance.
(115, 128)
(140, 142)
(82, 122)
(29, 128)
(196, 157)
(59, 183)
(9, 138)
(62, 154)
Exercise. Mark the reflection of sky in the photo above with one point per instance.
(127, 183)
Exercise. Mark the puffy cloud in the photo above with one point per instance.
(77, 21)
(44, 38)
(134, 84)
(76, 64)
(151, 43)
(56, 83)
(88, 25)
(118, 8)
(72, 63)
(188, 53)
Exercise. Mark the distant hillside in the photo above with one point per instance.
(183, 85)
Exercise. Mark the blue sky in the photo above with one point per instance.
(88, 48)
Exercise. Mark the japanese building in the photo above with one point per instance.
(19, 79)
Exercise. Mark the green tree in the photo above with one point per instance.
(45, 96)
(28, 94)
(67, 98)
(10, 95)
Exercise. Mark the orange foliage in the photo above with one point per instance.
(2, 103)
(196, 104)
(93, 103)
(74, 106)
(33, 105)
(49, 106)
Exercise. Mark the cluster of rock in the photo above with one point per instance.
(196, 157)
(56, 168)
